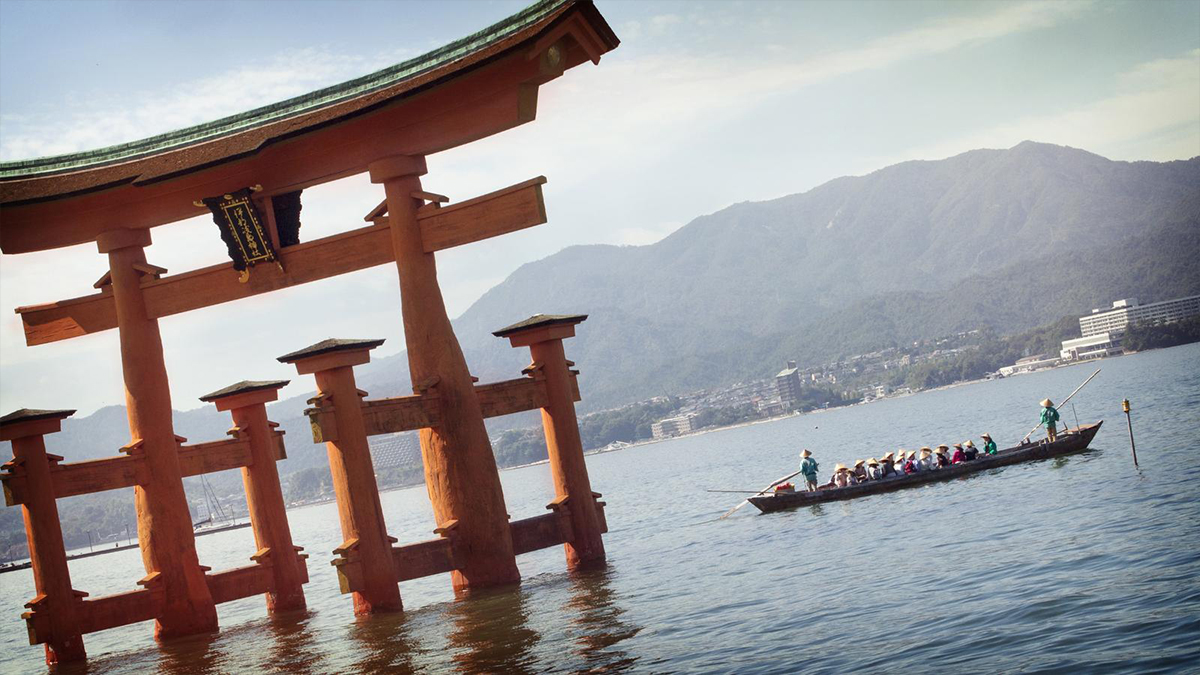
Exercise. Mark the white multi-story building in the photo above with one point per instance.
(1090, 347)
(672, 426)
(1116, 320)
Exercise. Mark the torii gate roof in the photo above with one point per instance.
(471, 88)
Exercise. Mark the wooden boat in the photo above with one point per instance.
(1069, 441)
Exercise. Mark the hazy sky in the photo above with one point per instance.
(702, 105)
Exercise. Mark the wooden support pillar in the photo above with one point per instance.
(460, 469)
(543, 334)
(47, 553)
(164, 521)
(247, 401)
(367, 567)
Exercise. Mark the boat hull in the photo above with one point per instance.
(1069, 441)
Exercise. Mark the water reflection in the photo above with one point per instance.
(193, 654)
(491, 632)
(384, 644)
(599, 620)
(293, 643)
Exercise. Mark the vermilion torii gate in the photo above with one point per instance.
(385, 124)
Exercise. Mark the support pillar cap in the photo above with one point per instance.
(21, 423)
(540, 328)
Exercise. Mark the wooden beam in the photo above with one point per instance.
(309, 261)
(214, 456)
(538, 532)
(513, 208)
(79, 478)
(120, 609)
(426, 558)
(239, 582)
(409, 413)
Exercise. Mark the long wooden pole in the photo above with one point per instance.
(1063, 402)
(731, 511)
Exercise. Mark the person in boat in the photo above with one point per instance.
(887, 466)
(989, 446)
(808, 469)
(1050, 419)
(859, 473)
(970, 452)
(910, 462)
(925, 461)
(941, 457)
(874, 472)
(959, 455)
(841, 475)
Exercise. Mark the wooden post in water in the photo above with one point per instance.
(544, 335)
(460, 469)
(164, 521)
(56, 603)
(1129, 421)
(366, 566)
(247, 402)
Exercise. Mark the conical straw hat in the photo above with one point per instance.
(840, 467)
(859, 462)
(1046, 403)
(805, 453)
(872, 462)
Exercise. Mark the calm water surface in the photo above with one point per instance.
(1078, 564)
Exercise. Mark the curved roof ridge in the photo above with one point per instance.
(293, 107)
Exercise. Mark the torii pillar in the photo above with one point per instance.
(47, 553)
(544, 335)
(460, 469)
(164, 521)
(247, 402)
(366, 544)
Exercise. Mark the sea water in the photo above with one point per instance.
(1072, 565)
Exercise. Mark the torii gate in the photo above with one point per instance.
(385, 124)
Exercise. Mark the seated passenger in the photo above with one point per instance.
(873, 470)
(941, 457)
(859, 472)
(911, 463)
(887, 467)
(969, 451)
(841, 476)
(959, 455)
(925, 461)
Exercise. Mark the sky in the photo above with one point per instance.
(704, 104)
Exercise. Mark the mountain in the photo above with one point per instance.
(1010, 239)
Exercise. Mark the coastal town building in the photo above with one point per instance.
(787, 385)
(1116, 319)
(1090, 347)
(672, 426)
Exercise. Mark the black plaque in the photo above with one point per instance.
(241, 229)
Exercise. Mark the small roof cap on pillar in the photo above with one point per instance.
(328, 346)
(243, 387)
(540, 321)
(30, 415)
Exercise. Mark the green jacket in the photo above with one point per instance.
(1049, 416)
(989, 448)
(808, 467)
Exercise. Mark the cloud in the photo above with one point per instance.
(1153, 115)
(76, 124)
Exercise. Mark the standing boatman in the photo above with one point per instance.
(808, 469)
(1049, 418)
